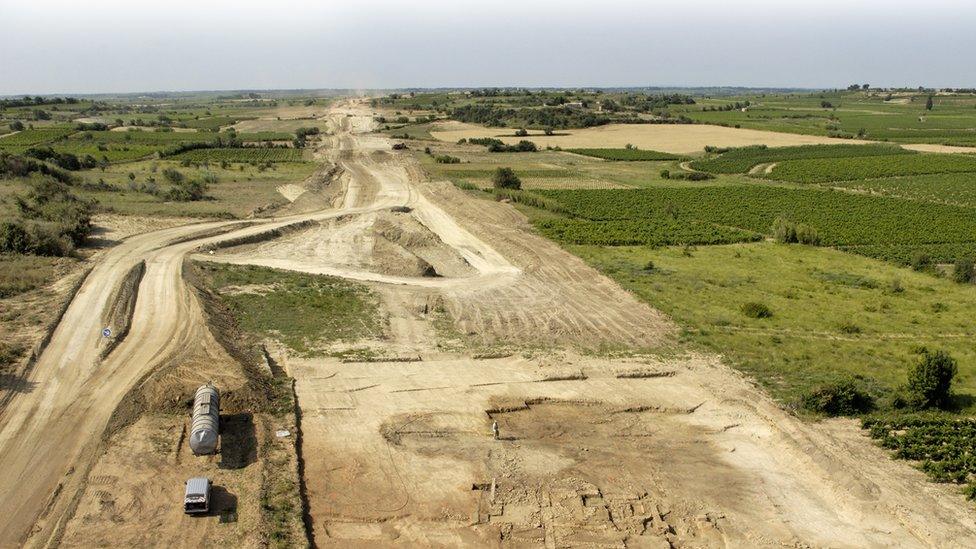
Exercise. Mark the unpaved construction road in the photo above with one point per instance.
(655, 450)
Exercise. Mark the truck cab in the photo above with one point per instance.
(197, 497)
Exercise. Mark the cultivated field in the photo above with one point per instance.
(677, 139)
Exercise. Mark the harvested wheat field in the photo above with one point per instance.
(672, 138)
(932, 148)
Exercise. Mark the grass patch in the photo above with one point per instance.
(305, 312)
(23, 273)
(816, 294)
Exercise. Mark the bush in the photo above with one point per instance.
(446, 159)
(521, 146)
(930, 380)
(921, 261)
(806, 234)
(755, 309)
(188, 191)
(50, 203)
(964, 271)
(784, 231)
(787, 232)
(505, 178)
(839, 398)
(686, 176)
(14, 238)
(173, 175)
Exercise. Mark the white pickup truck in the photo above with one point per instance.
(197, 498)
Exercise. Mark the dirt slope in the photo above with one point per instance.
(655, 451)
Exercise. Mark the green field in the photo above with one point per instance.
(954, 188)
(821, 170)
(887, 228)
(903, 119)
(21, 140)
(741, 160)
(625, 154)
(245, 154)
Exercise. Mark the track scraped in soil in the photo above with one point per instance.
(657, 450)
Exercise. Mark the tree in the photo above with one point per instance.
(505, 178)
(930, 380)
(928, 103)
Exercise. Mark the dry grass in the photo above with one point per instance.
(22, 273)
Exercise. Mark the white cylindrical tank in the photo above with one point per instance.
(206, 417)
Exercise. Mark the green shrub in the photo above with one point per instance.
(806, 234)
(964, 271)
(505, 178)
(930, 380)
(787, 232)
(839, 398)
(754, 309)
(188, 191)
(14, 238)
(173, 175)
(921, 261)
(783, 231)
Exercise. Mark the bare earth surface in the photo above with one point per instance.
(924, 147)
(672, 138)
(657, 449)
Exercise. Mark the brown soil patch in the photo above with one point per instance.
(923, 147)
(673, 138)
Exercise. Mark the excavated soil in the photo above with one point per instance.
(666, 450)
(390, 243)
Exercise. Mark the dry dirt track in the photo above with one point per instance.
(49, 436)
(685, 450)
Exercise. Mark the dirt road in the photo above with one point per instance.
(597, 451)
(49, 435)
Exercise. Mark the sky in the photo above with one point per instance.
(115, 46)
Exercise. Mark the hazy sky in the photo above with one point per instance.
(62, 46)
